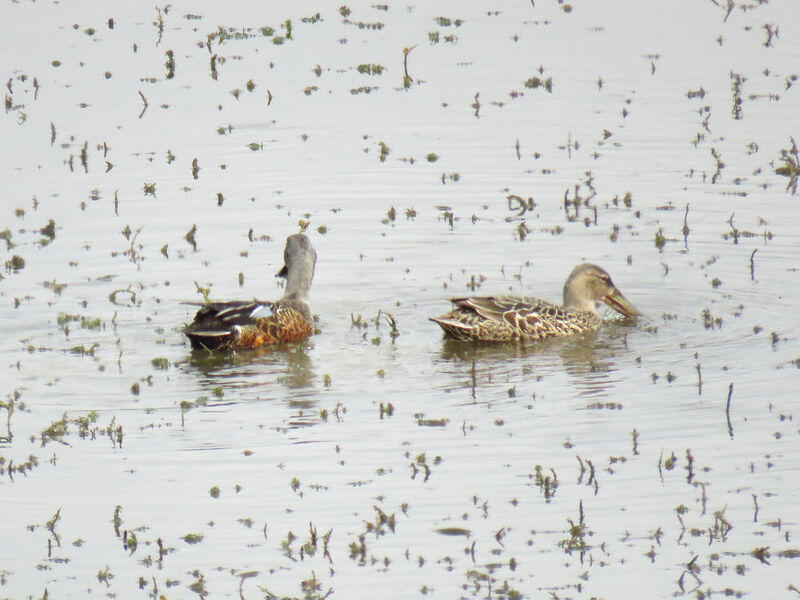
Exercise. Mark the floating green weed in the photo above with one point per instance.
(287, 543)
(701, 93)
(377, 26)
(577, 534)
(791, 166)
(384, 151)
(129, 541)
(213, 64)
(546, 484)
(160, 363)
(370, 69)
(83, 350)
(454, 531)
(659, 241)
(87, 323)
(710, 321)
(423, 422)
(537, 82)
(394, 332)
(190, 237)
(86, 429)
(170, 64)
(84, 423)
(188, 405)
(364, 89)
(105, 576)
(453, 177)
(737, 82)
(15, 263)
(16, 466)
(49, 230)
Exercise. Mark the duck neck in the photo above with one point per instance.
(298, 284)
(574, 303)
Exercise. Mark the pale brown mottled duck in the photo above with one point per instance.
(510, 318)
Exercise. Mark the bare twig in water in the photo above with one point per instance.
(407, 80)
(755, 512)
(699, 381)
(145, 104)
(686, 229)
(728, 410)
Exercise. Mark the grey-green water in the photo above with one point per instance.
(654, 460)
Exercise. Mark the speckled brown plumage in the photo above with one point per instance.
(510, 318)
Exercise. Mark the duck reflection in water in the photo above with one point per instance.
(590, 359)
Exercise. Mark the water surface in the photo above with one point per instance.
(654, 459)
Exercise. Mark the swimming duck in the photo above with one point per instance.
(243, 324)
(509, 318)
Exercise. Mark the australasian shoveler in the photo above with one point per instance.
(510, 318)
(243, 324)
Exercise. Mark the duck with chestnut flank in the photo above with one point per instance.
(243, 324)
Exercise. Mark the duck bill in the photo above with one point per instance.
(620, 304)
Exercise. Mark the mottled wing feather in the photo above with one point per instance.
(507, 318)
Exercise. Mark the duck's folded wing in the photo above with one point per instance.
(528, 317)
(503, 307)
(488, 307)
(216, 318)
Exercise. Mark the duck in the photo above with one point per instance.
(522, 318)
(242, 324)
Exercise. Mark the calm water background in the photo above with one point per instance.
(648, 460)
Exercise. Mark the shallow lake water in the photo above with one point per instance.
(431, 150)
